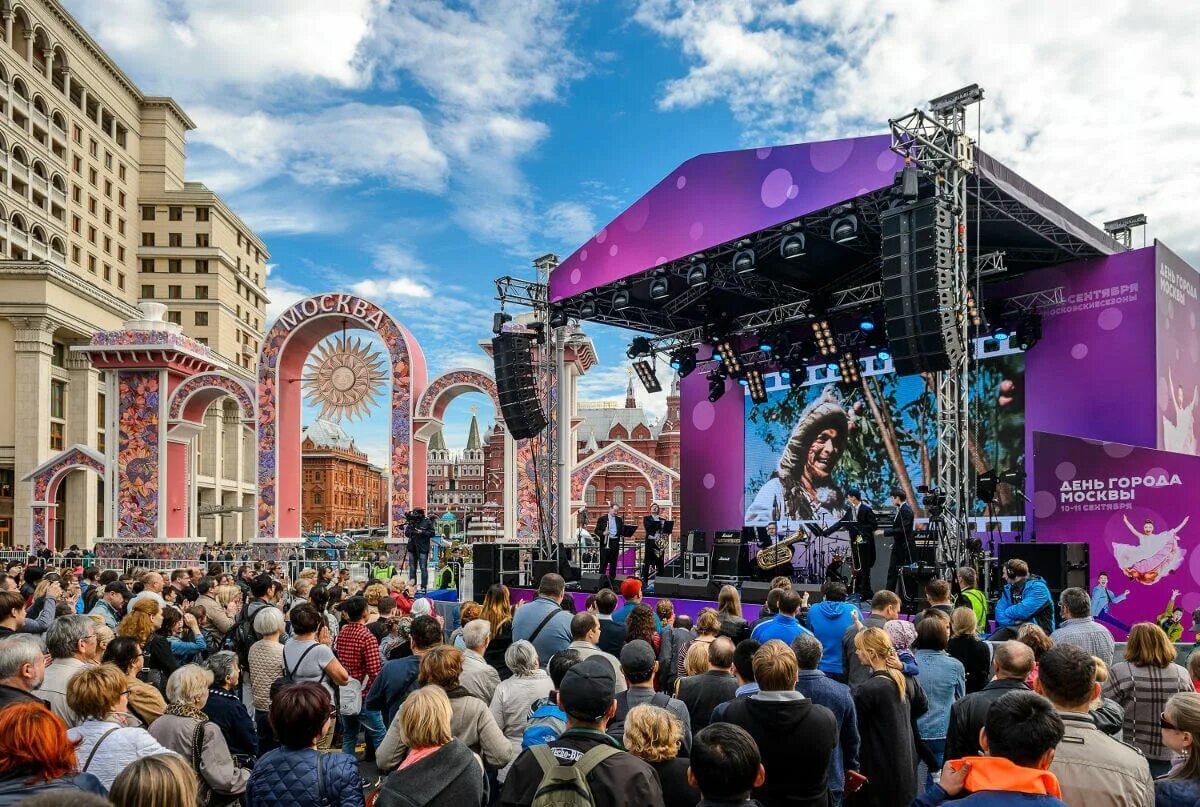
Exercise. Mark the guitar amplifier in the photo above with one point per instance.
(696, 541)
(730, 556)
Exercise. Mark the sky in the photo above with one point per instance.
(414, 151)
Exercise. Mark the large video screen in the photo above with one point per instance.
(807, 446)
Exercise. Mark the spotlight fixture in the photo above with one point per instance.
(697, 275)
(716, 386)
(1000, 333)
(824, 337)
(660, 286)
(639, 347)
(1029, 331)
(558, 317)
(756, 386)
(883, 355)
(645, 373)
(621, 300)
(792, 247)
(832, 367)
(867, 324)
(498, 321)
(683, 360)
(725, 350)
(743, 261)
(848, 364)
(844, 229)
(587, 307)
(973, 310)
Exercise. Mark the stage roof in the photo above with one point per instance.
(715, 204)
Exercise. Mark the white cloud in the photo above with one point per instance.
(281, 295)
(570, 222)
(396, 288)
(1096, 109)
(608, 384)
(473, 360)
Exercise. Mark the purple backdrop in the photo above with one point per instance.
(1085, 490)
(750, 611)
(1178, 336)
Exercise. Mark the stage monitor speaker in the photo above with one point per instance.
(667, 586)
(541, 568)
(918, 278)
(755, 591)
(696, 590)
(512, 354)
(696, 542)
(813, 589)
(1061, 565)
(481, 580)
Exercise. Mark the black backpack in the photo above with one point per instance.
(289, 676)
(242, 636)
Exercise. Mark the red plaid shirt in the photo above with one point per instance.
(358, 651)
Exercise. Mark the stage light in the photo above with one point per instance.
(848, 365)
(621, 300)
(646, 374)
(716, 386)
(883, 355)
(743, 261)
(558, 317)
(767, 344)
(639, 347)
(845, 225)
(1029, 331)
(824, 337)
(832, 367)
(785, 374)
(756, 385)
(697, 275)
(683, 360)
(973, 311)
(1000, 333)
(728, 356)
(792, 247)
(660, 286)
(498, 321)
(744, 381)
(587, 307)
(867, 324)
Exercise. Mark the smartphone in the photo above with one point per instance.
(854, 781)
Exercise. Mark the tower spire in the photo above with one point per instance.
(630, 400)
(473, 435)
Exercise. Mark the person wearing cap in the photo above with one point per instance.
(631, 592)
(621, 780)
(109, 606)
(638, 664)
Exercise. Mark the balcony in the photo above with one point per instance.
(20, 104)
(59, 196)
(19, 171)
(18, 238)
(41, 184)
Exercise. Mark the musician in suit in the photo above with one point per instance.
(652, 556)
(861, 523)
(901, 531)
(608, 531)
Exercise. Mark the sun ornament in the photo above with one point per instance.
(344, 378)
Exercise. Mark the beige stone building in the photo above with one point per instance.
(95, 214)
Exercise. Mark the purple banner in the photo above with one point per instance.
(1176, 292)
(1132, 507)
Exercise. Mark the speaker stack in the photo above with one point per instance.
(512, 354)
(1061, 565)
(918, 281)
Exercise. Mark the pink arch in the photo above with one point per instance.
(45, 488)
(191, 398)
(449, 385)
(660, 480)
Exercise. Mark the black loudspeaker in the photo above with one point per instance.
(541, 568)
(485, 556)
(512, 354)
(666, 586)
(1061, 565)
(918, 268)
(730, 556)
(683, 588)
(755, 591)
(481, 581)
(590, 583)
(696, 542)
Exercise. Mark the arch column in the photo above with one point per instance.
(28, 52)
(8, 21)
(48, 58)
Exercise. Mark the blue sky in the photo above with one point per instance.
(413, 151)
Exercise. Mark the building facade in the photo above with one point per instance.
(458, 483)
(95, 215)
(341, 489)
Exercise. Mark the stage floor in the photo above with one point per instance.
(692, 608)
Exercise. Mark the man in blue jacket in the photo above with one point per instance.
(829, 621)
(1026, 598)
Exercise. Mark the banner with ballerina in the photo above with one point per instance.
(1133, 507)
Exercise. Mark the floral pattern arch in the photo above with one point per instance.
(227, 385)
(661, 478)
(462, 377)
(47, 478)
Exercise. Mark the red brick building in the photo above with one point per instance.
(459, 483)
(341, 489)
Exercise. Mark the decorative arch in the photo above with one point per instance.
(39, 168)
(18, 221)
(57, 244)
(38, 233)
(39, 104)
(58, 120)
(47, 477)
(59, 182)
(448, 386)
(618, 432)
(19, 155)
(20, 88)
(281, 362)
(192, 398)
(659, 477)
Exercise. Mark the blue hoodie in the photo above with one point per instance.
(829, 621)
(1034, 605)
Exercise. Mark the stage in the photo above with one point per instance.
(691, 608)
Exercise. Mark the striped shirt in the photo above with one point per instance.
(1143, 692)
(1088, 635)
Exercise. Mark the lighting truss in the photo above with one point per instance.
(1035, 300)
(857, 297)
(749, 323)
(645, 373)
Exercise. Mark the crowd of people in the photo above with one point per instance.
(212, 687)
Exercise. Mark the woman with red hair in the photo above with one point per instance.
(35, 756)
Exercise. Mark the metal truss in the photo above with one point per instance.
(990, 263)
(750, 323)
(857, 297)
(1035, 300)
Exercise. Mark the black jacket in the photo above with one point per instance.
(672, 775)
(449, 777)
(704, 692)
(976, 659)
(735, 627)
(902, 523)
(612, 637)
(12, 695)
(969, 714)
(796, 739)
(866, 522)
(226, 710)
(602, 529)
(887, 740)
(622, 780)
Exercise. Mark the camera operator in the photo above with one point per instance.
(419, 530)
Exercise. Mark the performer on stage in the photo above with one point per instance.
(860, 520)
(608, 531)
(652, 556)
(902, 535)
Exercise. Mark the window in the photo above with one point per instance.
(92, 205)
(76, 194)
(121, 254)
(76, 223)
(107, 245)
(202, 214)
(77, 133)
(108, 188)
(92, 264)
(120, 280)
(175, 317)
(174, 239)
(58, 354)
(317, 500)
(589, 497)
(202, 267)
(147, 264)
(639, 496)
(107, 272)
(75, 255)
(148, 291)
(202, 292)
(201, 317)
(120, 225)
(77, 164)
(57, 435)
(121, 174)
(201, 239)
(91, 234)
(121, 198)
(175, 213)
(618, 496)
(174, 292)
(175, 266)
(147, 239)
(93, 176)
(202, 340)
(93, 147)
(58, 414)
(147, 212)
(108, 160)
(108, 216)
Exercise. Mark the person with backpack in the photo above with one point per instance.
(308, 657)
(584, 766)
(398, 676)
(242, 636)
(547, 721)
(639, 665)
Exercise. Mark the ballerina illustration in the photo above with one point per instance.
(1156, 554)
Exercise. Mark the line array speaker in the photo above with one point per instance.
(918, 279)
(512, 354)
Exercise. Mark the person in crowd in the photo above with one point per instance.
(185, 724)
(183, 635)
(265, 667)
(145, 702)
(104, 636)
(287, 776)
(397, 677)
(1026, 598)
(674, 636)
(142, 622)
(654, 735)
(837, 698)
(782, 721)
(468, 611)
(71, 642)
(886, 705)
(784, 626)
(612, 633)
(22, 668)
(614, 777)
(105, 743)
(438, 769)
(1180, 723)
(969, 596)
(944, 680)
(1141, 685)
(743, 671)
(220, 621)
(547, 720)
(37, 757)
(1106, 712)
(152, 588)
(638, 666)
(324, 600)
(1038, 641)
(111, 605)
(696, 661)
(829, 620)
(471, 720)
(225, 708)
(358, 653)
(37, 619)
(937, 592)
(542, 621)
(708, 628)
(729, 610)
(702, 693)
(1079, 628)
(1012, 662)
(514, 698)
(163, 780)
(12, 613)
(479, 678)
(725, 767)
(972, 652)
(308, 656)
(640, 625)
(585, 632)
(1019, 740)
(1091, 768)
(631, 592)
(885, 606)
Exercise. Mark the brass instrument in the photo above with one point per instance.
(779, 554)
